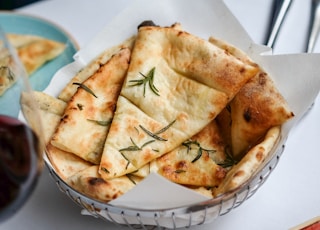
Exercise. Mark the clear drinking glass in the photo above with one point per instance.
(21, 143)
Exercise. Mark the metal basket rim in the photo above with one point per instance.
(278, 148)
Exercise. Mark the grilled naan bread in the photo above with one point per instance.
(195, 162)
(65, 164)
(51, 110)
(69, 90)
(35, 51)
(87, 117)
(176, 84)
(89, 182)
(243, 170)
(255, 109)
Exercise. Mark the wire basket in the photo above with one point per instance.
(185, 216)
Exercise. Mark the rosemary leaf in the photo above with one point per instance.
(188, 144)
(165, 128)
(130, 177)
(86, 88)
(133, 147)
(229, 161)
(146, 79)
(152, 134)
(148, 142)
(199, 154)
(105, 170)
(180, 171)
(128, 161)
(130, 148)
(102, 123)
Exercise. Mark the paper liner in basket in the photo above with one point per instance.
(296, 76)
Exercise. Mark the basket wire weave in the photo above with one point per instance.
(196, 214)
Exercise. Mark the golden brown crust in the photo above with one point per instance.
(256, 108)
(89, 182)
(90, 113)
(70, 89)
(65, 164)
(254, 158)
(181, 167)
(35, 54)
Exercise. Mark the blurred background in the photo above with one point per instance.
(12, 4)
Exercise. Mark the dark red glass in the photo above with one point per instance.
(19, 170)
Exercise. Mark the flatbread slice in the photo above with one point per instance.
(255, 109)
(49, 103)
(65, 164)
(49, 123)
(51, 109)
(242, 171)
(19, 40)
(195, 162)
(177, 82)
(35, 51)
(69, 90)
(86, 120)
(90, 183)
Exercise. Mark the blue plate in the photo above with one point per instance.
(39, 80)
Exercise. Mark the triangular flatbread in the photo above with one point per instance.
(176, 82)
(50, 110)
(90, 183)
(49, 103)
(245, 169)
(70, 89)
(255, 109)
(65, 164)
(35, 51)
(88, 115)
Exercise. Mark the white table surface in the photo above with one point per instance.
(290, 196)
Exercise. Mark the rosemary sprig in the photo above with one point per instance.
(155, 134)
(200, 151)
(130, 177)
(165, 128)
(86, 88)
(146, 79)
(133, 147)
(128, 161)
(229, 161)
